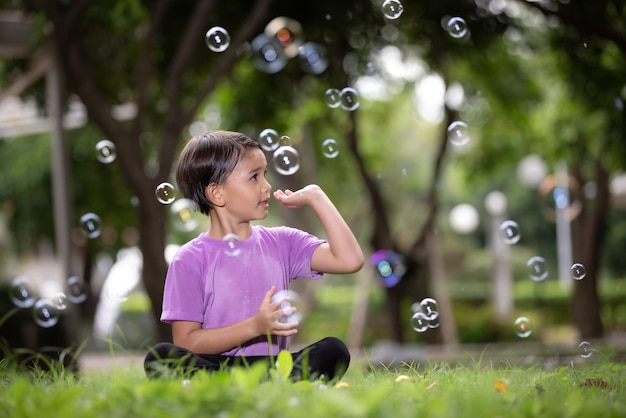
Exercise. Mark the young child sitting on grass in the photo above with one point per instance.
(219, 300)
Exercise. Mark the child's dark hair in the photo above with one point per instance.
(209, 158)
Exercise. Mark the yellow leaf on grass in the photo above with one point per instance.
(500, 386)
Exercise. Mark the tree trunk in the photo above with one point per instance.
(588, 231)
(151, 219)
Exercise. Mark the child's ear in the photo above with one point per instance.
(213, 192)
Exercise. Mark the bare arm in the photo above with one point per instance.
(342, 252)
(190, 335)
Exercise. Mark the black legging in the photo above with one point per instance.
(326, 359)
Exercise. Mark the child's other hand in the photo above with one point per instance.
(302, 197)
(267, 318)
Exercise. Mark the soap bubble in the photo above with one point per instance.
(537, 268)
(286, 33)
(349, 99)
(286, 160)
(419, 322)
(456, 27)
(45, 314)
(76, 289)
(285, 140)
(90, 224)
(329, 148)
(183, 211)
(509, 231)
(165, 193)
(217, 39)
(291, 304)
(560, 198)
(332, 98)
(522, 327)
(458, 133)
(268, 138)
(392, 9)
(105, 151)
(233, 244)
(585, 349)
(389, 266)
(22, 293)
(430, 308)
(266, 56)
(578, 271)
(433, 322)
(60, 301)
(313, 59)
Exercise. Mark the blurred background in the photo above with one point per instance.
(476, 148)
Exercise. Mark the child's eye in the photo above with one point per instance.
(254, 177)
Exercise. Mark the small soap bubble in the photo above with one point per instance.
(433, 322)
(45, 314)
(291, 305)
(268, 138)
(349, 99)
(522, 327)
(76, 289)
(537, 268)
(60, 301)
(233, 244)
(286, 33)
(509, 231)
(183, 211)
(313, 59)
(105, 151)
(390, 267)
(329, 148)
(430, 308)
(285, 140)
(266, 56)
(458, 133)
(22, 293)
(585, 349)
(578, 271)
(90, 224)
(165, 193)
(419, 322)
(392, 9)
(286, 160)
(456, 27)
(217, 39)
(332, 98)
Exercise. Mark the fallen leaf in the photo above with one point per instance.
(500, 386)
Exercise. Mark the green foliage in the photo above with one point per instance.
(430, 390)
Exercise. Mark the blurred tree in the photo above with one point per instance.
(151, 55)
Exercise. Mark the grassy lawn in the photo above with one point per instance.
(434, 390)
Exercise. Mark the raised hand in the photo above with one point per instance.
(303, 197)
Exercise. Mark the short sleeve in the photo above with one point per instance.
(183, 294)
(300, 248)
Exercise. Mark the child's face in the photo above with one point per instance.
(246, 191)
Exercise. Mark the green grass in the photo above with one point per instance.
(434, 390)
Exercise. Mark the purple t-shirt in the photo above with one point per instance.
(217, 284)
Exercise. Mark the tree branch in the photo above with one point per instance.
(186, 48)
(178, 117)
(146, 68)
(248, 28)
